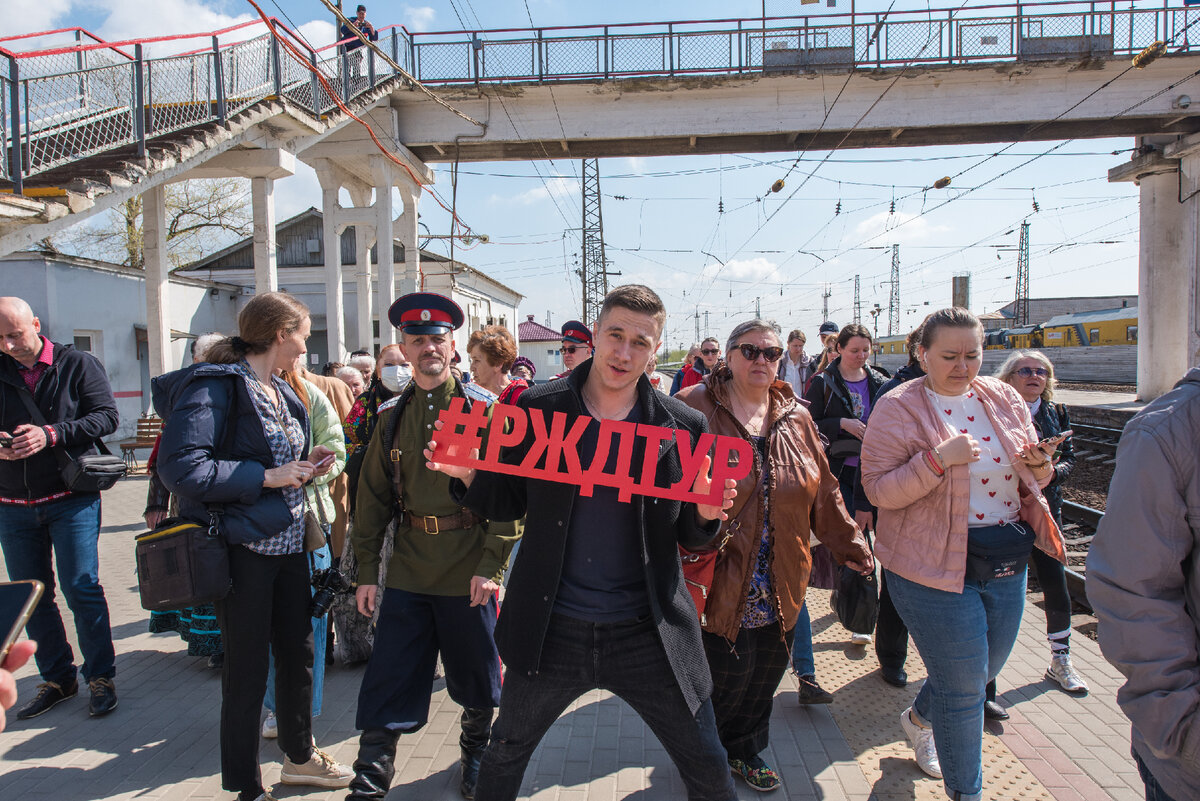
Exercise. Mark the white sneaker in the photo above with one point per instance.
(860, 639)
(1063, 672)
(270, 729)
(319, 771)
(921, 738)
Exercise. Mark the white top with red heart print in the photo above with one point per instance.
(995, 497)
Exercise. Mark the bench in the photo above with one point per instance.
(148, 429)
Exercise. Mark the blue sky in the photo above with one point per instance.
(704, 231)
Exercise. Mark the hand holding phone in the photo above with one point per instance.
(6, 440)
(1056, 439)
(321, 465)
(18, 599)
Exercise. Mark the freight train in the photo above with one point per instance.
(1081, 329)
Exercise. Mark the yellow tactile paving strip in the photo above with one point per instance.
(867, 711)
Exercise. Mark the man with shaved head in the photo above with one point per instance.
(40, 516)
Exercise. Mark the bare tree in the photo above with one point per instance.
(202, 216)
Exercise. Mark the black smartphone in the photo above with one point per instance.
(1056, 439)
(6, 441)
(17, 602)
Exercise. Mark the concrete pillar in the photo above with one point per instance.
(1168, 260)
(262, 198)
(335, 302)
(363, 235)
(410, 236)
(381, 169)
(157, 265)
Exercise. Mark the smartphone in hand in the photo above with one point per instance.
(18, 599)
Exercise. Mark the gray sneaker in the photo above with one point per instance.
(1063, 672)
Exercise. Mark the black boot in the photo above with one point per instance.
(476, 729)
(375, 765)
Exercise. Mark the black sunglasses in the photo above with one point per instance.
(752, 352)
(710, 351)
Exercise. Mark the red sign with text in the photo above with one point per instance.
(555, 447)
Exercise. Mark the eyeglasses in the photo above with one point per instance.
(752, 352)
(710, 351)
(570, 349)
(1029, 372)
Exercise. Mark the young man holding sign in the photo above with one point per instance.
(597, 599)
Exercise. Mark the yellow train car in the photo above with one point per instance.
(892, 344)
(1103, 327)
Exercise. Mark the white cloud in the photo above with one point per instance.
(909, 228)
(418, 18)
(318, 33)
(555, 187)
(170, 17)
(28, 16)
(637, 165)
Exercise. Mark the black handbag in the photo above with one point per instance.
(91, 472)
(856, 600)
(181, 563)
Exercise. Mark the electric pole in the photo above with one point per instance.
(595, 266)
(894, 303)
(825, 303)
(1021, 312)
(758, 308)
(857, 302)
(705, 323)
(697, 339)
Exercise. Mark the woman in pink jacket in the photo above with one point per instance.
(955, 467)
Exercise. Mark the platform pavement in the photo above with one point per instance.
(161, 743)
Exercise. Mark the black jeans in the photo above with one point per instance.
(745, 678)
(268, 606)
(628, 660)
(891, 635)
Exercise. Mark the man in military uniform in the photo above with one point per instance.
(576, 346)
(445, 568)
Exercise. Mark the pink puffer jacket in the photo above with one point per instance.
(922, 525)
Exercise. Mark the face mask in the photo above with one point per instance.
(395, 376)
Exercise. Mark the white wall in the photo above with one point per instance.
(545, 357)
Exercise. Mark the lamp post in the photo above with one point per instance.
(875, 321)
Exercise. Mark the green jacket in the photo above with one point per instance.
(433, 564)
(326, 429)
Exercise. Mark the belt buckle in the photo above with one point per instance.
(425, 519)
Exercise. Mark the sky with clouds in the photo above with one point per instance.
(705, 231)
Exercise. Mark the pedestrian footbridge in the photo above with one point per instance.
(89, 124)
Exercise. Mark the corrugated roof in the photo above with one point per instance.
(530, 331)
(1099, 316)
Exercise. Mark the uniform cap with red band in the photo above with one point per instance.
(425, 313)
(576, 333)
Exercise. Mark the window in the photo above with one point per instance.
(555, 356)
(89, 342)
(1094, 336)
(1131, 333)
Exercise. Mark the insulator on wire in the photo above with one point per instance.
(892, 208)
(837, 209)
(1144, 58)
(720, 207)
(777, 186)
(1036, 207)
(942, 183)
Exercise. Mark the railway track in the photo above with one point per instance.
(1095, 443)
(1079, 527)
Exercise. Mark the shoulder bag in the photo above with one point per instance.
(698, 571)
(91, 472)
(856, 600)
(181, 563)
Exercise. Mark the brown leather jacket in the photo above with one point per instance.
(804, 497)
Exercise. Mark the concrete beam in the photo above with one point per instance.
(384, 172)
(1186, 146)
(1142, 167)
(262, 200)
(941, 105)
(335, 301)
(356, 144)
(270, 163)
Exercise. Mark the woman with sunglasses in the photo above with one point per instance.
(1032, 375)
(762, 568)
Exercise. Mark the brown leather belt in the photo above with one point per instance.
(436, 525)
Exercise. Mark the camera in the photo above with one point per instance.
(329, 583)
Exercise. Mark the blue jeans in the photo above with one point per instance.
(964, 639)
(319, 559)
(1154, 790)
(628, 660)
(70, 530)
(802, 648)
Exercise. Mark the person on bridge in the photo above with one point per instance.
(39, 514)
(1143, 582)
(576, 346)
(597, 598)
(954, 465)
(445, 568)
(788, 496)
(235, 436)
(1032, 375)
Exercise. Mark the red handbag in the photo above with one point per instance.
(698, 571)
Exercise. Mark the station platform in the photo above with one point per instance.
(162, 741)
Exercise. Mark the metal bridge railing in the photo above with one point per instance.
(77, 96)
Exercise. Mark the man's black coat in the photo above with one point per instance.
(546, 506)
